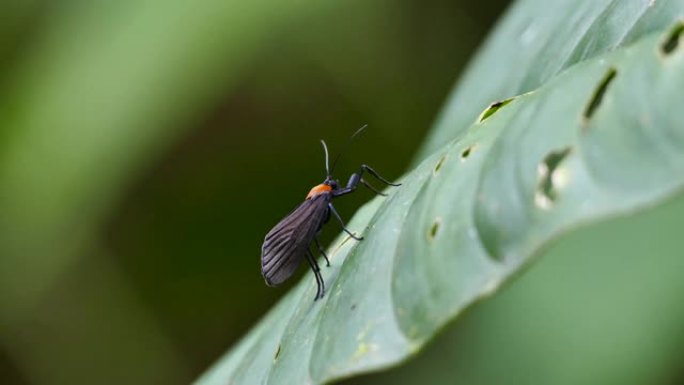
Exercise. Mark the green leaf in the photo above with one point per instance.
(600, 138)
(600, 307)
(535, 42)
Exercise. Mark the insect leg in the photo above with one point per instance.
(320, 248)
(356, 178)
(375, 174)
(320, 290)
(351, 185)
(373, 189)
(339, 219)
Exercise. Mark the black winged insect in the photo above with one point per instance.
(289, 241)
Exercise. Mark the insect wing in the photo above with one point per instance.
(286, 244)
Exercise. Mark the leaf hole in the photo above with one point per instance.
(550, 178)
(600, 91)
(672, 41)
(434, 229)
(439, 165)
(492, 109)
(277, 353)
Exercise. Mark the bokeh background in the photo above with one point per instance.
(147, 147)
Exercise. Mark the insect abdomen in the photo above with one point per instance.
(286, 244)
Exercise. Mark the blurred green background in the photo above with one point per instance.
(147, 147)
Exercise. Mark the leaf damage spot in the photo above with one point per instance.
(361, 351)
(439, 165)
(277, 353)
(599, 93)
(551, 178)
(672, 42)
(492, 109)
(466, 153)
(434, 229)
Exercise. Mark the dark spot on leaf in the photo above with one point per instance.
(672, 41)
(600, 91)
(353, 306)
(277, 353)
(439, 164)
(492, 109)
(434, 229)
(548, 180)
(466, 152)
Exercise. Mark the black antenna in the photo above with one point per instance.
(325, 149)
(346, 146)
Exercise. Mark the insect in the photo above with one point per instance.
(289, 241)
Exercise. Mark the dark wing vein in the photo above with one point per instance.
(285, 245)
